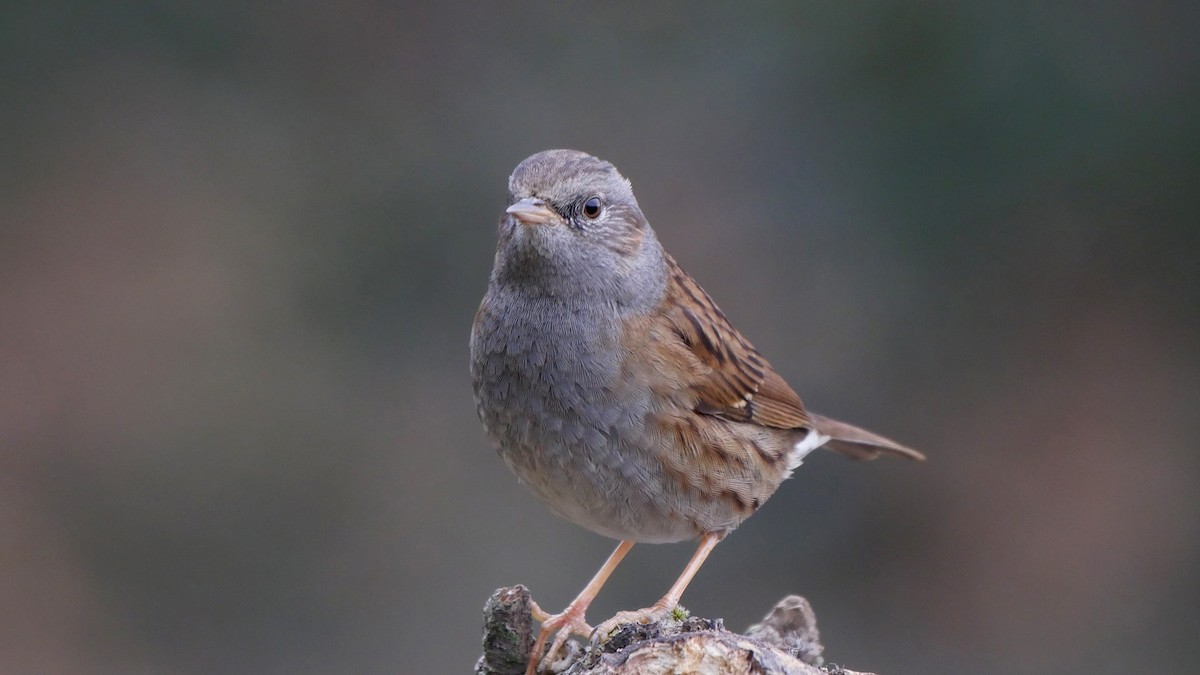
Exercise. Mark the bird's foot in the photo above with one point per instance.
(563, 625)
(658, 612)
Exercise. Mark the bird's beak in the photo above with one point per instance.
(533, 211)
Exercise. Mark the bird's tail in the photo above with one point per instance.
(859, 443)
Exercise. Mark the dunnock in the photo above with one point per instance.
(614, 387)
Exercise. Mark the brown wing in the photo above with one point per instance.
(738, 383)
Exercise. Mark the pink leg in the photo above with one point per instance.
(669, 601)
(571, 620)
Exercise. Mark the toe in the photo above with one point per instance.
(569, 621)
(647, 615)
(559, 640)
(541, 615)
(562, 626)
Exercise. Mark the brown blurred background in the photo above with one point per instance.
(241, 248)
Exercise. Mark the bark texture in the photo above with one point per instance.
(786, 642)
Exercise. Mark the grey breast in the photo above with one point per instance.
(548, 388)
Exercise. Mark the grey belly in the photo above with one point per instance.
(571, 431)
(599, 471)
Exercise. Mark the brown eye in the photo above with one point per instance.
(591, 208)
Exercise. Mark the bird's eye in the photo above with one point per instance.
(591, 208)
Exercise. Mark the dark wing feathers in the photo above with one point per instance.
(740, 384)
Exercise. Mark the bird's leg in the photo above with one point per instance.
(669, 601)
(571, 620)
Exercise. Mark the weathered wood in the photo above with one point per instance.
(507, 633)
(786, 642)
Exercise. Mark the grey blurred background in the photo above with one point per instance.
(241, 248)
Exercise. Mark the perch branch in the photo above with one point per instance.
(786, 642)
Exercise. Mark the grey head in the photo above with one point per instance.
(573, 230)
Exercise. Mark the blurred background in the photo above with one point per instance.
(241, 248)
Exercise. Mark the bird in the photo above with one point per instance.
(618, 392)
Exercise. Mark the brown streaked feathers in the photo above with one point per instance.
(731, 380)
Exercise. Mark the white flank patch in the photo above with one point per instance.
(810, 442)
